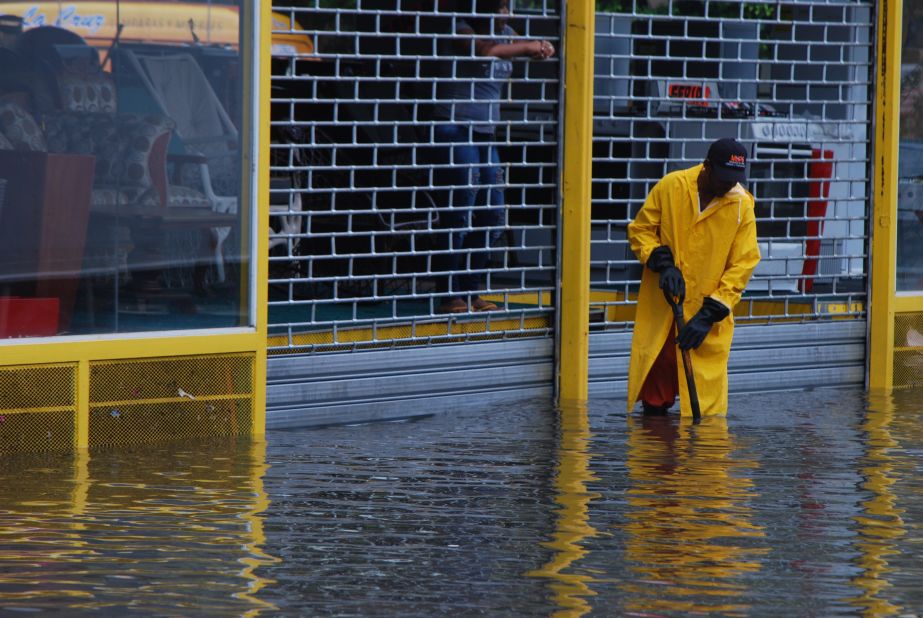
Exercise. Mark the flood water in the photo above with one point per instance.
(805, 504)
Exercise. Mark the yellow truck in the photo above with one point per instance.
(166, 23)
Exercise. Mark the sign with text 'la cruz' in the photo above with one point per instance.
(97, 22)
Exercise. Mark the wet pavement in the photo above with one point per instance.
(808, 504)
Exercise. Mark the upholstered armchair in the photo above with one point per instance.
(19, 129)
(135, 175)
(131, 158)
(149, 219)
(138, 186)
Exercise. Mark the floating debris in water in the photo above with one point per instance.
(181, 393)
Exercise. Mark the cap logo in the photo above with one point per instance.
(737, 161)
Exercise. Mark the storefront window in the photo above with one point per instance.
(910, 164)
(120, 168)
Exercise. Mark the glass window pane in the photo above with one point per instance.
(910, 163)
(120, 168)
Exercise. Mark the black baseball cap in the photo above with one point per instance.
(728, 160)
(10, 23)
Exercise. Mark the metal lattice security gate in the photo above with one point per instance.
(364, 208)
(361, 216)
(792, 82)
(356, 197)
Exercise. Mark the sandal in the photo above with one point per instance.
(455, 305)
(479, 304)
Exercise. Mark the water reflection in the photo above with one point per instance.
(169, 530)
(690, 528)
(880, 525)
(812, 501)
(572, 523)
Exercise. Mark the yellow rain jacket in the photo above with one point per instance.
(716, 251)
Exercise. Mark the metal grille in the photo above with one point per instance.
(38, 407)
(37, 431)
(791, 81)
(161, 399)
(358, 199)
(908, 350)
(129, 423)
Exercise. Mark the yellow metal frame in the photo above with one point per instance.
(261, 223)
(574, 327)
(84, 350)
(885, 303)
(883, 224)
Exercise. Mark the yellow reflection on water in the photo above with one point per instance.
(880, 524)
(688, 519)
(170, 529)
(254, 556)
(572, 527)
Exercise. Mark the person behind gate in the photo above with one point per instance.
(696, 234)
(475, 68)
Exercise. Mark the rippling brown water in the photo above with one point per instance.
(808, 504)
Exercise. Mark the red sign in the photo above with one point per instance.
(690, 91)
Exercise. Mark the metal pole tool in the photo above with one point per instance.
(687, 361)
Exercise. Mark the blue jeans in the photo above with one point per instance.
(466, 162)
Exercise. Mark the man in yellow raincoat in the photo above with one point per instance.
(696, 233)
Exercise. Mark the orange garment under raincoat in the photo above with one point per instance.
(716, 251)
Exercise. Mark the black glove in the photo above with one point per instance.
(671, 279)
(693, 333)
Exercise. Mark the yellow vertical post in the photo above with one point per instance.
(883, 225)
(83, 403)
(262, 38)
(573, 356)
